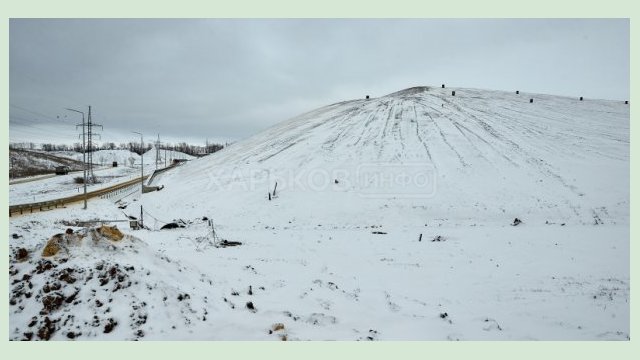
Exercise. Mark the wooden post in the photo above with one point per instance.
(274, 189)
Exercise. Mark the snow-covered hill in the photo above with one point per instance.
(164, 157)
(104, 157)
(25, 163)
(123, 157)
(421, 156)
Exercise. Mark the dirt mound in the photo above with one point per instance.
(62, 241)
(110, 232)
(53, 245)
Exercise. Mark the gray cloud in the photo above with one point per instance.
(232, 78)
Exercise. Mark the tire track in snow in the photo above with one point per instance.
(424, 143)
(538, 163)
(390, 113)
(396, 130)
(348, 123)
(365, 128)
(496, 150)
(444, 138)
(259, 144)
(459, 126)
(572, 129)
(279, 151)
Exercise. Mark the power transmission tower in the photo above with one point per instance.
(90, 135)
(84, 158)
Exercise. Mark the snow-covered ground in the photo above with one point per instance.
(59, 186)
(392, 219)
(531, 282)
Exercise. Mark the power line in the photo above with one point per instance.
(46, 117)
(12, 117)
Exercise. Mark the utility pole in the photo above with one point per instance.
(157, 151)
(90, 125)
(141, 165)
(84, 158)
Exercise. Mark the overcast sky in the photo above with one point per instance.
(228, 79)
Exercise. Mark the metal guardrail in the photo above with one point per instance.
(159, 171)
(46, 205)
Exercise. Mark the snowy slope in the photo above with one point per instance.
(487, 156)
